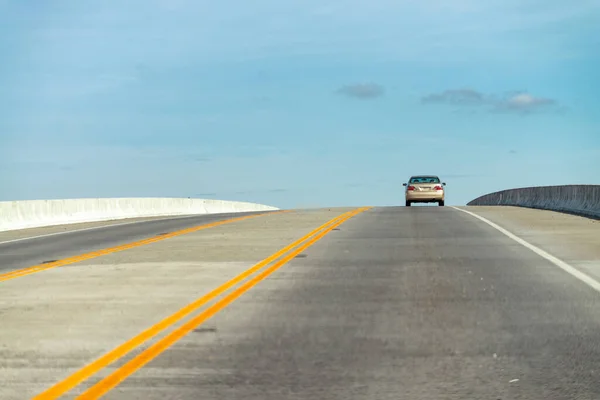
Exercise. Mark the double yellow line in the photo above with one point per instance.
(87, 256)
(279, 258)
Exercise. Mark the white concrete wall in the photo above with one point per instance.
(577, 199)
(37, 213)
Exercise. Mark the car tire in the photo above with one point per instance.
(408, 204)
(441, 203)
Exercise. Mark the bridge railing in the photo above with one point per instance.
(575, 199)
(38, 213)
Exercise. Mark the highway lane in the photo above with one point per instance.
(419, 303)
(32, 251)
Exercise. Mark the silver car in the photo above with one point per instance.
(424, 189)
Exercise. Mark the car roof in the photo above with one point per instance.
(424, 176)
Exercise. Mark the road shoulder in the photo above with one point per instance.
(573, 239)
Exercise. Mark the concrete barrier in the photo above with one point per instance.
(576, 199)
(38, 213)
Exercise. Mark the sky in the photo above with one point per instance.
(312, 103)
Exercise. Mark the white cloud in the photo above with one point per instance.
(524, 103)
(527, 100)
(519, 102)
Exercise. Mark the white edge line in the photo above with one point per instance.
(99, 227)
(588, 280)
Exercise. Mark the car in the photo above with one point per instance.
(424, 189)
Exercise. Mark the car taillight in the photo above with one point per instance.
(411, 188)
(438, 187)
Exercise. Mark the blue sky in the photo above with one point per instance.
(296, 103)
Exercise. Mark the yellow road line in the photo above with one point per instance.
(120, 374)
(79, 376)
(87, 256)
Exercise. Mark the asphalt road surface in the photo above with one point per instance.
(399, 303)
(24, 252)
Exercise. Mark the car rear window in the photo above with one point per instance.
(424, 179)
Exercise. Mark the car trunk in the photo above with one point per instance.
(424, 187)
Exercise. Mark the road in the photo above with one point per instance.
(20, 250)
(393, 303)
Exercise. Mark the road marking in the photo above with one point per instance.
(94, 254)
(120, 374)
(87, 371)
(95, 227)
(588, 280)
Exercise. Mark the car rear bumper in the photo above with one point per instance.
(425, 196)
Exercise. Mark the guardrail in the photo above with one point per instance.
(574, 199)
(38, 213)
